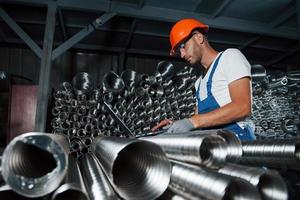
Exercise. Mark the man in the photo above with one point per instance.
(223, 91)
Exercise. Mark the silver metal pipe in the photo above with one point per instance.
(96, 95)
(134, 167)
(87, 141)
(95, 180)
(84, 150)
(203, 149)
(156, 90)
(277, 153)
(73, 187)
(166, 70)
(6, 193)
(107, 97)
(82, 83)
(234, 146)
(278, 83)
(170, 195)
(76, 144)
(55, 111)
(269, 183)
(288, 126)
(130, 78)
(194, 182)
(36, 163)
(112, 82)
(66, 86)
(80, 97)
(258, 73)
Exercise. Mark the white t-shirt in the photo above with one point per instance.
(232, 66)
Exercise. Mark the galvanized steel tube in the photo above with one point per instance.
(134, 167)
(112, 82)
(73, 187)
(6, 193)
(233, 144)
(95, 180)
(194, 182)
(258, 73)
(35, 163)
(203, 149)
(269, 183)
(82, 83)
(277, 153)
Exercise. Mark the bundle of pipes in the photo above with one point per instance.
(200, 162)
(140, 100)
(276, 103)
(192, 165)
(37, 165)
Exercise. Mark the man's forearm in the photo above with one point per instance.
(224, 115)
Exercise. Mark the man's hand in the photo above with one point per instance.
(181, 126)
(162, 124)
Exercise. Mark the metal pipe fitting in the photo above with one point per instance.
(36, 163)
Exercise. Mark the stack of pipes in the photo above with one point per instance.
(210, 164)
(276, 103)
(140, 100)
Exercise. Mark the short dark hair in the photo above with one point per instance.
(200, 30)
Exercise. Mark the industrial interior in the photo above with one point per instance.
(82, 83)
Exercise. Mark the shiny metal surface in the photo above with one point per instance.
(130, 78)
(73, 186)
(112, 82)
(194, 182)
(6, 193)
(35, 163)
(133, 165)
(202, 149)
(269, 183)
(233, 145)
(170, 195)
(166, 70)
(258, 73)
(82, 83)
(277, 153)
(96, 183)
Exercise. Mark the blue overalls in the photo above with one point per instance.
(210, 104)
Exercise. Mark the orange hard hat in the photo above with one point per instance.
(182, 29)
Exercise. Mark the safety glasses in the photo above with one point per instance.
(182, 44)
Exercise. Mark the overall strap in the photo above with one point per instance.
(208, 84)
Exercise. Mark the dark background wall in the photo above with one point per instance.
(21, 62)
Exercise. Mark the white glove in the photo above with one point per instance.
(181, 126)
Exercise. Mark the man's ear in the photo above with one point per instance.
(200, 38)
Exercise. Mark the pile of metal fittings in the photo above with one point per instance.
(276, 103)
(210, 164)
(140, 100)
